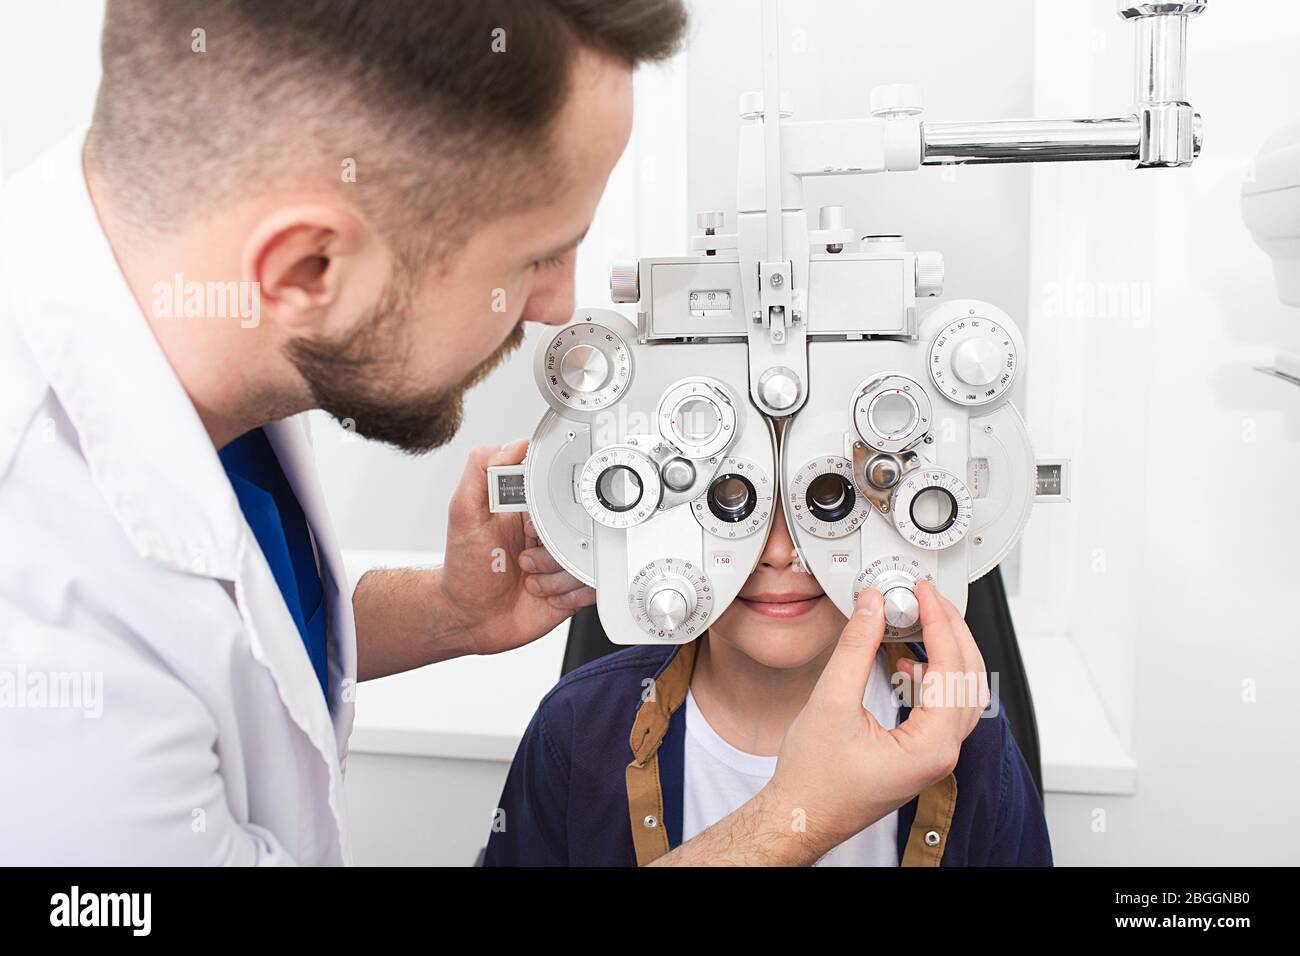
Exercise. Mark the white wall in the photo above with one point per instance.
(49, 69)
(1174, 569)
(971, 60)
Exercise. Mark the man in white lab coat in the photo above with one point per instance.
(280, 207)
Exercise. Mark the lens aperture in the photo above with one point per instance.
(732, 498)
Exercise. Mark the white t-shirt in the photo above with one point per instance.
(719, 779)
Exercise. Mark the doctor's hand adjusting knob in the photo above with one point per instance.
(901, 608)
(896, 578)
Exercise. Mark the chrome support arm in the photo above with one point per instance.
(1163, 129)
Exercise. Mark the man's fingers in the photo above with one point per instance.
(914, 670)
(511, 453)
(573, 600)
(538, 561)
(550, 585)
(955, 618)
(972, 656)
(941, 645)
(972, 659)
(930, 605)
(844, 681)
(486, 456)
(954, 679)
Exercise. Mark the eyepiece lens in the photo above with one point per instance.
(619, 488)
(830, 497)
(732, 498)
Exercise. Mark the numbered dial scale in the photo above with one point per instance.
(619, 487)
(586, 367)
(895, 577)
(670, 598)
(973, 359)
(823, 500)
(931, 508)
(738, 502)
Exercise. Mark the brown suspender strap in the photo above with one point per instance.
(645, 806)
(645, 802)
(934, 806)
(645, 798)
(929, 833)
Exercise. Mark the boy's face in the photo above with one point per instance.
(782, 617)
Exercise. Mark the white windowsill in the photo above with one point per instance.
(470, 708)
(1080, 751)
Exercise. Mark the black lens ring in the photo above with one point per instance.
(842, 509)
(732, 515)
(619, 509)
(952, 514)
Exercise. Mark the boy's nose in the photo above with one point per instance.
(779, 552)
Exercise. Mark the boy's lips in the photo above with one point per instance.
(782, 605)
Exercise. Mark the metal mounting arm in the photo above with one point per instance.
(1163, 129)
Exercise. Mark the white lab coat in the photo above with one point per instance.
(125, 560)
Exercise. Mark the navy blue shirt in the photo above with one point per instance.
(565, 798)
(278, 523)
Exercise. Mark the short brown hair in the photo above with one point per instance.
(417, 93)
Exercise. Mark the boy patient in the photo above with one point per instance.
(701, 725)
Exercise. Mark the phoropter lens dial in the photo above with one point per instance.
(738, 501)
(931, 508)
(822, 500)
(620, 487)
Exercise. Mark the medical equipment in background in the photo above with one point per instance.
(1270, 204)
(653, 475)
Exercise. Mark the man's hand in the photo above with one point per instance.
(839, 771)
(497, 580)
(839, 765)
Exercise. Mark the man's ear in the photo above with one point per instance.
(299, 256)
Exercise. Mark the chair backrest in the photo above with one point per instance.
(987, 615)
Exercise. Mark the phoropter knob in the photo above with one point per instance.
(624, 282)
(668, 605)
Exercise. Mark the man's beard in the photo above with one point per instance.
(349, 378)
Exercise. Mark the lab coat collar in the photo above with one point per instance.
(146, 447)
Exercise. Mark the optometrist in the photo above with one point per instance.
(280, 207)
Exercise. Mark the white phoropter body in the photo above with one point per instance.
(944, 482)
(655, 473)
(650, 477)
(654, 480)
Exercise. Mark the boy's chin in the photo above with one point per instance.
(780, 645)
